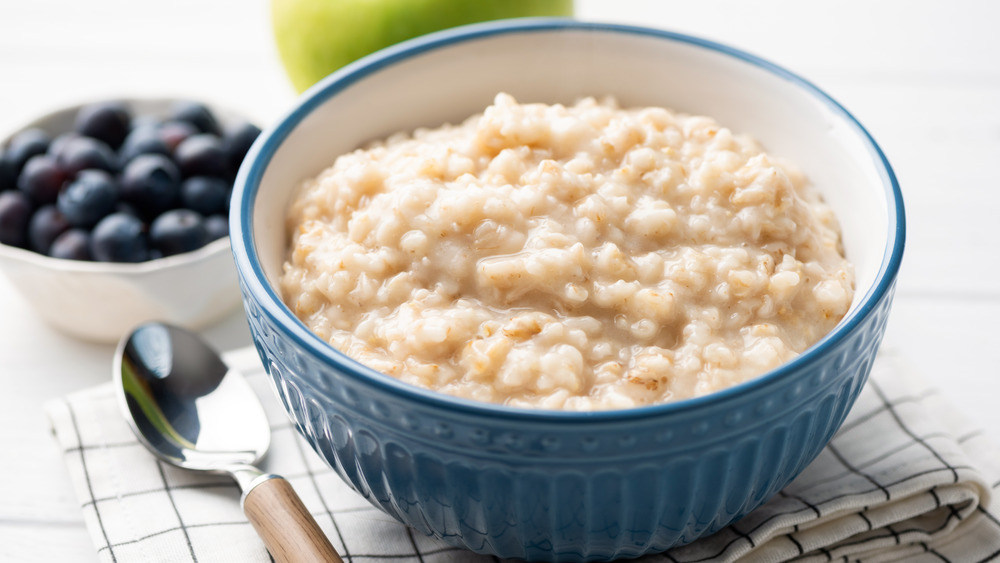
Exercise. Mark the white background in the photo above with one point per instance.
(923, 76)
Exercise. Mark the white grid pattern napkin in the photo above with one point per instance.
(905, 479)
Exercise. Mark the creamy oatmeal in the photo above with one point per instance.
(566, 257)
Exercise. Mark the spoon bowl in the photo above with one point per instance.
(190, 410)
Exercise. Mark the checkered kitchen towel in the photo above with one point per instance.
(905, 479)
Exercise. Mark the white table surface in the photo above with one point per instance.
(922, 75)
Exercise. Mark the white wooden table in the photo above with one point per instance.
(922, 75)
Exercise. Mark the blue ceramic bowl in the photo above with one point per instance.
(543, 485)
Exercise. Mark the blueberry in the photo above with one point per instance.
(151, 182)
(174, 132)
(15, 212)
(142, 140)
(46, 224)
(237, 141)
(24, 145)
(127, 208)
(82, 153)
(196, 114)
(8, 176)
(106, 121)
(217, 226)
(119, 237)
(178, 230)
(205, 194)
(88, 198)
(202, 155)
(41, 179)
(57, 147)
(73, 244)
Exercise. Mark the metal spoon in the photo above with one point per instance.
(188, 408)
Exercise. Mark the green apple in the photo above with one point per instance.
(316, 37)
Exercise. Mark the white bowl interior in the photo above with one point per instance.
(452, 82)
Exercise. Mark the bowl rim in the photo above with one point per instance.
(269, 303)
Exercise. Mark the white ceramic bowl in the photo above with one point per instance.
(101, 301)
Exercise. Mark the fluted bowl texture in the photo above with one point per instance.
(559, 486)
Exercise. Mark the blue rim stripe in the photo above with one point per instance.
(270, 304)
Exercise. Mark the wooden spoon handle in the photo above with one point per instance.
(282, 521)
